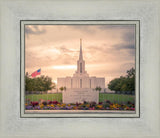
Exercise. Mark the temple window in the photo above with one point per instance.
(80, 67)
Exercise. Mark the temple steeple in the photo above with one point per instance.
(80, 63)
(80, 53)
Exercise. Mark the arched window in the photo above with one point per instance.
(80, 67)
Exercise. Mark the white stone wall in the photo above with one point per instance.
(75, 82)
(80, 95)
(68, 82)
(100, 82)
(93, 82)
(87, 82)
(61, 82)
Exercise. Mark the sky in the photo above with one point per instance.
(108, 50)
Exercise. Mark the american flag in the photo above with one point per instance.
(37, 72)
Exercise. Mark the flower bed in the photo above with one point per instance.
(55, 105)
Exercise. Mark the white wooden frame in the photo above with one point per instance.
(12, 125)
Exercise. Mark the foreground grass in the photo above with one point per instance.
(114, 98)
(51, 97)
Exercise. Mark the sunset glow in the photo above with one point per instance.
(65, 67)
(108, 50)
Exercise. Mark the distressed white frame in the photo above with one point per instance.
(12, 125)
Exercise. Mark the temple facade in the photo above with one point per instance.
(81, 79)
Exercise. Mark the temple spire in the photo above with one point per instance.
(80, 54)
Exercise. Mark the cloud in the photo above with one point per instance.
(128, 65)
(107, 47)
(129, 37)
(116, 27)
(34, 29)
(132, 53)
(89, 29)
(64, 49)
(124, 46)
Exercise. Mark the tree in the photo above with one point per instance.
(98, 88)
(114, 85)
(53, 85)
(131, 73)
(42, 83)
(124, 83)
(61, 89)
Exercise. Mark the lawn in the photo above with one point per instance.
(114, 98)
(117, 98)
(51, 97)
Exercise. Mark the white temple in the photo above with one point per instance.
(81, 78)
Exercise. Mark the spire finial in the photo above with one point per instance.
(80, 54)
(80, 42)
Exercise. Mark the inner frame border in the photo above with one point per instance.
(82, 114)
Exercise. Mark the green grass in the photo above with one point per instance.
(114, 98)
(51, 97)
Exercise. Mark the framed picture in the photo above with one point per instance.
(49, 86)
(23, 26)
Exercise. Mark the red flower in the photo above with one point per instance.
(49, 102)
(132, 108)
(34, 103)
(54, 102)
